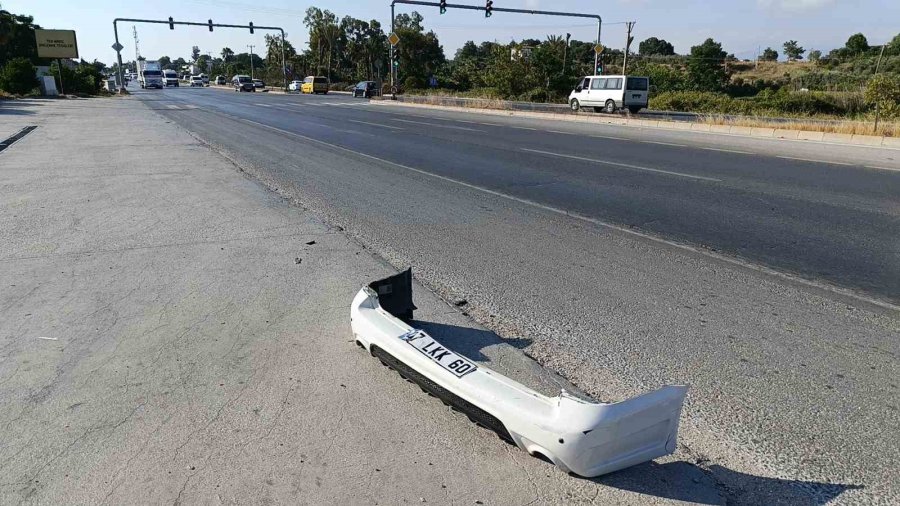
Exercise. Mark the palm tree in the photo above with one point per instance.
(227, 54)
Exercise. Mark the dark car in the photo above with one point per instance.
(242, 83)
(365, 89)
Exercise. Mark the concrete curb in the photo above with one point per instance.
(765, 132)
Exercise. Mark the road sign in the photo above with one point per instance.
(117, 47)
(394, 39)
(598, 49)
(433, 82)
(56, 43)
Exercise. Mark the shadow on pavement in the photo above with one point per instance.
(683, 481)
(9, 109)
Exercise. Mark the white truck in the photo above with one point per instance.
(150, 74)
(170, 78)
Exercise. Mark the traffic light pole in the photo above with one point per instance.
(496, 9)
(209, 24)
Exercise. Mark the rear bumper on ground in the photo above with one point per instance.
(583, 437)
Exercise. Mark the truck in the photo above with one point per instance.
(150, 74)
(170, 78)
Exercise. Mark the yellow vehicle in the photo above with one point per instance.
(314, 84)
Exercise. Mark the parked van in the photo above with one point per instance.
(610, 93)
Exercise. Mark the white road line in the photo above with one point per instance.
(666, 144)
(523, 128)
(172, 106)
(817, 161)
(561, 132)
(263, 105)
(881, 168)
(380, 125)
(48, 338)
(436, 125)
(609, 137)
(295, 104)
(623, 165)
(727, 150)
(627, 231)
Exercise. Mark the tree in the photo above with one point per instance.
(857, 44)
(227, 54)
(654, 46)
(18, 76)
(884, 90)
(793, 50)
(421, 54)
(195, 54)
(17, 38)
(769, 54)
(165, 62)
(814, 55)
(706, 71)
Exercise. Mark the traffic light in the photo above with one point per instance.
(210, 25)
(171, 23)
(251, 27)
(489, 8)
(443, 6)
(396, 59)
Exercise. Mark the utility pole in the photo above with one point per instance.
(251, 60)
(877, 108)
(628, 40)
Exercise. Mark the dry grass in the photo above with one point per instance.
(885, 128)
(769, 70)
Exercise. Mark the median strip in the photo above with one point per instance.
(623, 165)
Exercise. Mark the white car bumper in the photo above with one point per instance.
(585, 438)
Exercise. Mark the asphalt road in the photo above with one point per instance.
(764, 273)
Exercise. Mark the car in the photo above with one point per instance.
(196, 81)
(220, 80)
(242, 83)
(295, 85)
(365, 89)
(205, 79)
(610, 93)
(258, 83)
(315, 84)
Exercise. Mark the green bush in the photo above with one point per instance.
(85, 79)
(18, 77)
(884, 90)
(767, 102)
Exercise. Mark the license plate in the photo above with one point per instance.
(426, 345)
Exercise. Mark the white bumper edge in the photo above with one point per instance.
(582, 437)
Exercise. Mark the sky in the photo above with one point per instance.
(742, 26)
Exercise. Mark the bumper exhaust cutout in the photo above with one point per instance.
(582, 437)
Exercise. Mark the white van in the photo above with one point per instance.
(609, 93)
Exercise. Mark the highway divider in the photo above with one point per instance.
(564, 114)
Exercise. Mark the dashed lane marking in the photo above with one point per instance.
(623, 165)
